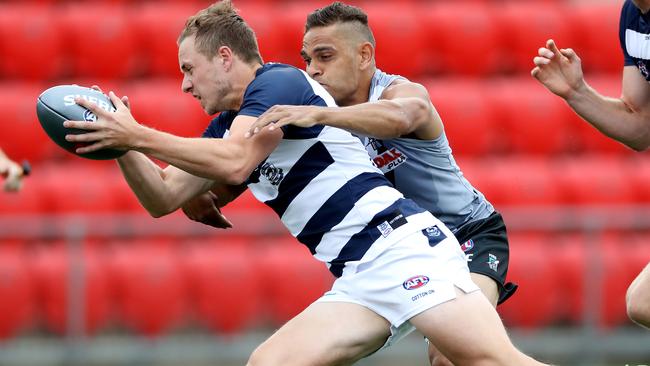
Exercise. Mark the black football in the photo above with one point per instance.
(56, 105)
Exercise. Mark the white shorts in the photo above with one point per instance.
(406, 279)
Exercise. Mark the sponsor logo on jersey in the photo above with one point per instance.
(468, 245)
(389, 160)
(415, 282)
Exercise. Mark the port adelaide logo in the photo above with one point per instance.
(415, 282)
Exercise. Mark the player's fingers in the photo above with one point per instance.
(550, 44)
(117, 102)
(91, 106)
(279, 124)
(259, 124)
(90, 148)
(540, 61)
(126, 102)
(84, 137)
(569, 53)
(535, 72)
(83, 125)
(97, 88)
(545, 52)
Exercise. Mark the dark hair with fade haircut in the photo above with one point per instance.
(339, 12)
(220, 25)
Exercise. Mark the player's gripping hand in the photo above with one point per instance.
(282, 115)
(116, 130)
(12, 173)
(559, 70)
(124, 99)
(204, 209)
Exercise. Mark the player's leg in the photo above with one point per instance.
(326, 333)
(486, 247)
(470, 319)
(490, 289)
(638, 298)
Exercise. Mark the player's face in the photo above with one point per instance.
(204, 78)
(331, 60)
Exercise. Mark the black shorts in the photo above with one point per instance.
(485, 243)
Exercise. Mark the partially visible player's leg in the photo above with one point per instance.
(470, 319)
(486, 247)
(326, 333)
(490, 289)
(638, 298)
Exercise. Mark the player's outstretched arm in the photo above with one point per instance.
(227, 161)
(404, 109)
(160, 191)
(625, 119)
(11, 172)
(638, 298)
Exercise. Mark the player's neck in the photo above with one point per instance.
(245, 74)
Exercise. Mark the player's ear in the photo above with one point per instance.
(367, 55)
(225, 56)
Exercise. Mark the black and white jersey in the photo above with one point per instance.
(320, 180)
(634, 33)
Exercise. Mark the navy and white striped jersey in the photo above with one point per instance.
(320, 180)
(425, 171)
(634, 33)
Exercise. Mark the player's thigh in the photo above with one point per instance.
(469, 319)
(326, 333)
(488, 287)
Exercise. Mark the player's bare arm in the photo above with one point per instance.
(625, 119)
(160, 191)
(228, 161)
(405, 109)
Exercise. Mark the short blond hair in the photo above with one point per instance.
(220, 25)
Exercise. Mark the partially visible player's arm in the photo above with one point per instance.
(160, 191)
(227, 161)
(625, 119)
(405, 109)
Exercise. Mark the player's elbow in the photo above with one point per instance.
(238, 174)
(158, 211)
(414, 113)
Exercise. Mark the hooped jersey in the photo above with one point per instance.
(319, 180)
(425, 171)
(634, 34)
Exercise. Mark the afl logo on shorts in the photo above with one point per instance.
(468, 245)
(415, 282)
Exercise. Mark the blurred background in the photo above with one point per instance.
(88, 278)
